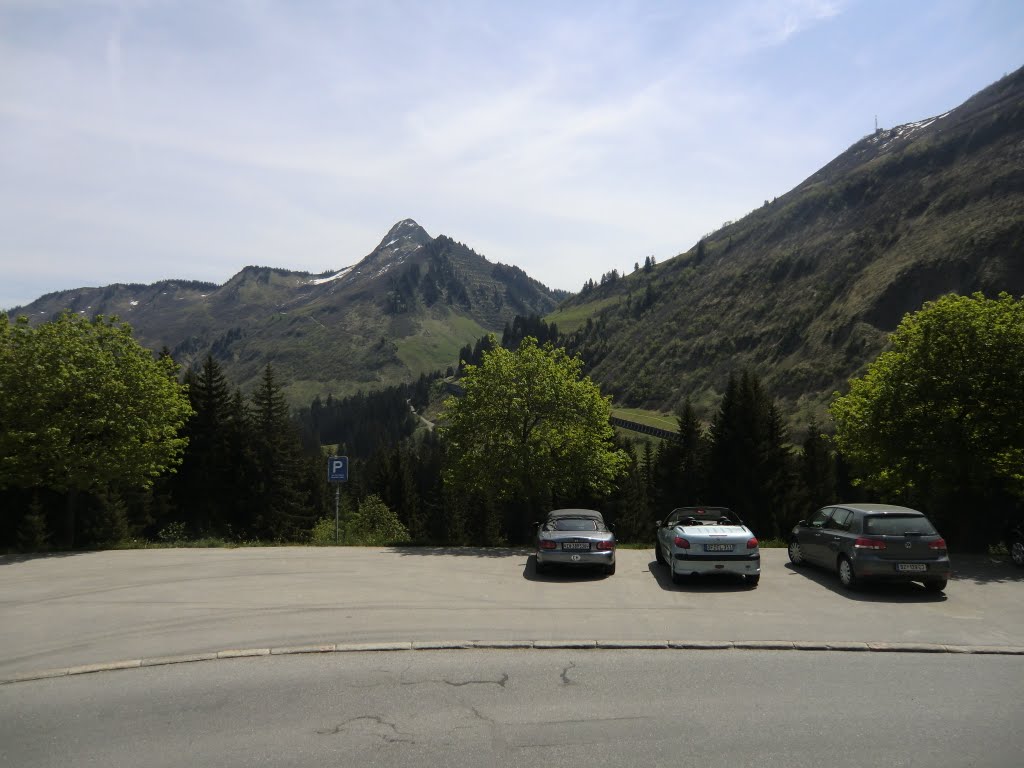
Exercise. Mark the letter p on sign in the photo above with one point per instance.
(337, 469)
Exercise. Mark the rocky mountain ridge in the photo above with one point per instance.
(404, 309)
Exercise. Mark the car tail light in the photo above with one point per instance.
(680, 542)
(606, 545)
(545, 544)
(752, 543)
(863, 542)
(939, 544)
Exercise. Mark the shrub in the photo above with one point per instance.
(375, 524)
(322, 534)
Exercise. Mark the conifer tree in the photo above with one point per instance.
(32, 533)
(204, 486)
(280, 509)
(628, 505)
(240, 451)
(680, 467)
(817, 472)
(749, 464)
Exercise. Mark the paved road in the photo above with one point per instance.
(96, 607)
(714, 709)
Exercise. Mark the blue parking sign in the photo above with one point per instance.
(337, 469)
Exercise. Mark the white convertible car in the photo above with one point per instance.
(694, 541)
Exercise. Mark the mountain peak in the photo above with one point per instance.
(405, 231)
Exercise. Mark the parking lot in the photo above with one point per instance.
(95, 607)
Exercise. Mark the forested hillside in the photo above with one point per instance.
(805, 289)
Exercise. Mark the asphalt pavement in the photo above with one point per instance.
(559, 707)
(75, 610)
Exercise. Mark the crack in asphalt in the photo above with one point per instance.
(397, 738)
(565, 674)
(501, 682)
(459, 684)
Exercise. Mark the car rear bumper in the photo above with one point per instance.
(876, 568)
(594, 557)
(743, 565)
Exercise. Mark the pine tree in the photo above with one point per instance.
(749, 467)
(680, 466)
(817, 472)
(693, 449)
(203, 487)
(113, 518)
(280, 509)
(628, 506)
(239, 441)
(32, 533)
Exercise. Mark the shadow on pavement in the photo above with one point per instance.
(711, 583)
(869, 591)
(16, 559)
(461, 551)
(985, 569)
(565, 574)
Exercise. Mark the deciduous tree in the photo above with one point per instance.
(530, 427)
(84, 407)
(937, 419)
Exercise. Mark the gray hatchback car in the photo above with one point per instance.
(872, 541)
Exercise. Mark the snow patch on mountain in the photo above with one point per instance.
(886, 138)
(336, 276)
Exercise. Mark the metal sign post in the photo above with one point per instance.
(337, 472)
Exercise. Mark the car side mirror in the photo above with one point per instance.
(800, 522)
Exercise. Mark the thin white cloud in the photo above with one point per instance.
(152, 137)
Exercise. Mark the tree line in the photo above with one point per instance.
(246, 469)
(101, 441)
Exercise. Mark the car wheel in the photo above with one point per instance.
(1017, 552)
(610, 569)
(935, 586)
(796, 554)
(846, 575)
(657, 553)
(752, 580)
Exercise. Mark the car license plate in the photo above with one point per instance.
(718, 547)
(915, 567)
(575, 545)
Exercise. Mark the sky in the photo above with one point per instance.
(143, 140)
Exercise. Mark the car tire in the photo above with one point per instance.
(796, 553)
(846, 575)
(657, 554)
(752, 581)
(1017, 552)
(609, 570)
(935, 586)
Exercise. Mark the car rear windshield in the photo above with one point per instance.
(898, 525)
(573, 524)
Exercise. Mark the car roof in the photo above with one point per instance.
(588, 513)
(879, 509)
